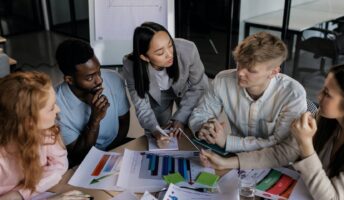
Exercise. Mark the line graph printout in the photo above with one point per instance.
(142, 171)
(99, 170)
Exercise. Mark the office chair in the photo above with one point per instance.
(340, 34)
(329, 45)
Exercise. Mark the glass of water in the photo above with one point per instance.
(247, 186)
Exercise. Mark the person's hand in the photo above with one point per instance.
(210, 159)
(175, 126)
(71, 195)
(303, 130)
(99, 105)
(13, 195)
(161, 141)
(213, 133)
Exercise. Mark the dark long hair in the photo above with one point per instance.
(327, 127)
(142, 37)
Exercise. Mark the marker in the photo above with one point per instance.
(161, 131)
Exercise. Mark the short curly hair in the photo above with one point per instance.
(72, 52)
(259, 48)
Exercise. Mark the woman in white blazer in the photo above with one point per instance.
(159, 72)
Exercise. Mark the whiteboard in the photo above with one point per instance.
(112, 24)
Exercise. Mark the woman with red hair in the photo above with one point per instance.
(32, 155)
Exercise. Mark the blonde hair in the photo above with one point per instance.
(259, 48)
(23, 95)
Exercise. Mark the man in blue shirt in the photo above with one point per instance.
(93, 102)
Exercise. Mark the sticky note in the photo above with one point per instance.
(281, 185)
(206, 178)
(269, 180)
(174, 178)
(287, 193)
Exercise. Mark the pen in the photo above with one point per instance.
(196, 189)
(161, 131)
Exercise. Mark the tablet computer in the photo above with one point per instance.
(215, 148)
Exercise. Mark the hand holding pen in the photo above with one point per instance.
(174, 126)
(162, 138)
(162, 132)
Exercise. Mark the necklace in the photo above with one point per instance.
(159, 68)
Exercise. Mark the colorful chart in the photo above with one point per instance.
(105, 164)
(98, 170)
(145, 171)
(156, 166)
(276, 183)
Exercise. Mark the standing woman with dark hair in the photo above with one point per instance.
(159, 72)
(318, 144)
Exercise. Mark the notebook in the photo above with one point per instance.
(152, 145)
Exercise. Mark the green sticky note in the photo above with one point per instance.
(206, 178)
(173, 178)
(269, 180)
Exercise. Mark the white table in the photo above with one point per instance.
(333, 6)
(300, 19)
(3, 43)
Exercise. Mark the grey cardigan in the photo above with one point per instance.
(190, 87)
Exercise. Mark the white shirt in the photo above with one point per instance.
(254, 124)
(162, 78)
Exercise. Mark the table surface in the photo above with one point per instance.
(63, 187)
(2, 39)
(139, 144)
(302, 17)
(334, 6)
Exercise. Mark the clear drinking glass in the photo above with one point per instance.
(247, 187)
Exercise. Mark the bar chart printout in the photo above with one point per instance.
(142, 171)
(99, 170)
(155, 167)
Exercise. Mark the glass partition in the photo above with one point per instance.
(69, 17)
(313, 35)
(20, 16)
(210, 25)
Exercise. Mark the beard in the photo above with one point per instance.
(95, 89)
